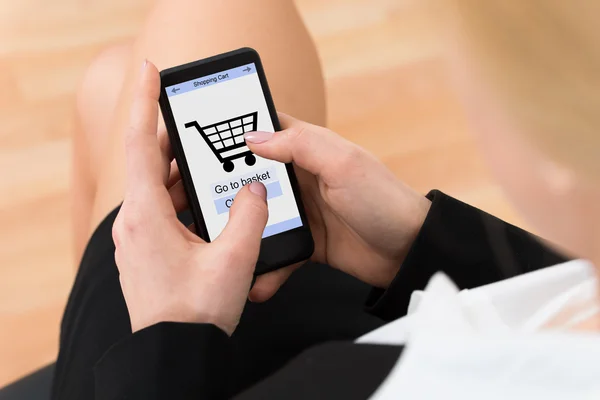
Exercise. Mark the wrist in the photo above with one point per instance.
(411, 220)
(179, 315)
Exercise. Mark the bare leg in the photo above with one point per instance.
(179, 31)
(97, 98)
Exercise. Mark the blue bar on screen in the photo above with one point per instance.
(282, 227)
(210, 80)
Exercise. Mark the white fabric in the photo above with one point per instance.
(488, 343)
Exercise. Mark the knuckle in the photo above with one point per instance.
(351, 156)
(347, 161)
(131, 222)
(118, 260)
(298, 141)
(297, 134)
(231, 257)
(296, 131)
(117, 231)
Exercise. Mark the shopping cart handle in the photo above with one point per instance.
(193, 123)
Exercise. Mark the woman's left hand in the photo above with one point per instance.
(168, 273)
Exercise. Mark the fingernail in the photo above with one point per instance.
(257, 136)
(258, 189)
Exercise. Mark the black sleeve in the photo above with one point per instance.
(333, 370)
(165, 361)
(472, 247)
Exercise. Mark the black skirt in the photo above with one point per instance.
(316, 305)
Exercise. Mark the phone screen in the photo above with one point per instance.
(212, 113)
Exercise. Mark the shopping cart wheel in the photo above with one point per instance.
(250, 159)
(228, 166)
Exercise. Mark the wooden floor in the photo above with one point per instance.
(388, 91)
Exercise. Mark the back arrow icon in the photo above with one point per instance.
(175, 90)
(247, 69)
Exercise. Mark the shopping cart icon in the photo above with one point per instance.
(226, 138)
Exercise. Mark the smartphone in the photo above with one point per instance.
(207, 106)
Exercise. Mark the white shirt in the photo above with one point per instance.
(493, 342)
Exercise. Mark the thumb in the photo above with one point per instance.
(247, 219)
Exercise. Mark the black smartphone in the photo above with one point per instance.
(207, 106)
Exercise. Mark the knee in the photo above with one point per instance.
(100, 86)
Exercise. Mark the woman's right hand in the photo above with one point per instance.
(363, 219)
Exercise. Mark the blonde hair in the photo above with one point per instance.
(543, 59)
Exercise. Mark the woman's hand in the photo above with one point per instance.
(167, 273)
(363, 219)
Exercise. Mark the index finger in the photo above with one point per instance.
(311, 147)
(145, 167)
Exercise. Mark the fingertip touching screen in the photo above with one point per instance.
(212, 113)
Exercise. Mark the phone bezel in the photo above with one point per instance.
(276, 251)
